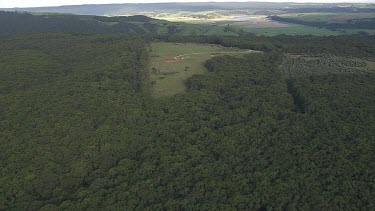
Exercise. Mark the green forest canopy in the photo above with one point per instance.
(80, 130)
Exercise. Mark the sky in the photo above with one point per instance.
(41, 3)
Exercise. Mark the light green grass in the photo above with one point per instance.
(328, 17)
(296, 30)
(322, 17)
(219, 29)
(217, 26)
(306, 30)
(166, 84)
(370, 65)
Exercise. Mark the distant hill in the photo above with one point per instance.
(21, 22)
(331, 9)
(122, 9)
(24, 22)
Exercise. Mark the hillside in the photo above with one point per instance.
(334, 21)
(131, 9)
(218, 18)
(15, 22)
(22, 22)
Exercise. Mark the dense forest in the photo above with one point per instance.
(21, 22)
(25, 22)
(80, 129)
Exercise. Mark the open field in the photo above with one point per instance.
(245, 20)
(259, 25)
(219, 23)
(173, 63)
(213, 18)
(304, 30)
(345, 23)
(328, 17)
(256, 21)
(211, 22)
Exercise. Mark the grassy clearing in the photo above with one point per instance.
(370, 65)
(296, 30)
(306, 30)
(215, 23)
(257, 26)
(328, 17)
(173, 63)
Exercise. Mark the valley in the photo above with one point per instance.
(232, 19)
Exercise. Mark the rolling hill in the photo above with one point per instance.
(129, 9)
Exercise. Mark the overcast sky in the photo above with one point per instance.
(40, 3)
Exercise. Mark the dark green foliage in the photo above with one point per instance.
(173, 29)
(322, 65)
(15, 22)
(79, 131)
(135, 18)
(56, 91)
(299, 99)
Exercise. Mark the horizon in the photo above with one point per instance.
(56, 3)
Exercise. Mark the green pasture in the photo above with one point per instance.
(328, 17)
(172, 72)
(296, 30)
(219, 30)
